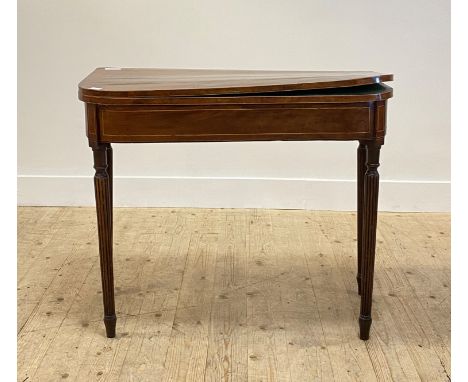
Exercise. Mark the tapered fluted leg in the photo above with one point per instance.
(369, 230)
(103, 193)
(361, 170)
(110, 171)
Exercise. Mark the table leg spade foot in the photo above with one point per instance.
(364, 327)
(109, 322)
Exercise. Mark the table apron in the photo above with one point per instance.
(235, 123)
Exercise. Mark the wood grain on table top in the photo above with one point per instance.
(129, 82)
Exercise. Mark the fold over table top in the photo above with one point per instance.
(115, 85)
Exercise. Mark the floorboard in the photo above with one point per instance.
(231, 295)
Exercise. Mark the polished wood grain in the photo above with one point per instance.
(369, 230)
(132, 82)
(192, 105)
(103, 194)
(236, 123)
(364, 93)
(361, 170)
(110, 172)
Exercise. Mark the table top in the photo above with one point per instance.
(133, 82)
(196, 105)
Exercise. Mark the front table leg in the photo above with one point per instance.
(361, 171)
(103, 193)
(369, 229)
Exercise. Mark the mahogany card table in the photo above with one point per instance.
(182, 105)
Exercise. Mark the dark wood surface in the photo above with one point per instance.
(363, 93)
(175, 105)
(361, 171)
(103, 195)
(130, 82)
(369, 230)
(236, 123)
(139, 105)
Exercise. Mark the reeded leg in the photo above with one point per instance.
(361, 170)
(369, 229)
(110, 171)
(103, 193)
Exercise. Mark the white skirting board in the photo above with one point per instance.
(280, 193)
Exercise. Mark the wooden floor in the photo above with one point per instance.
(231, 295)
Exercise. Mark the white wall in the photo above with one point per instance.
(61, 41)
